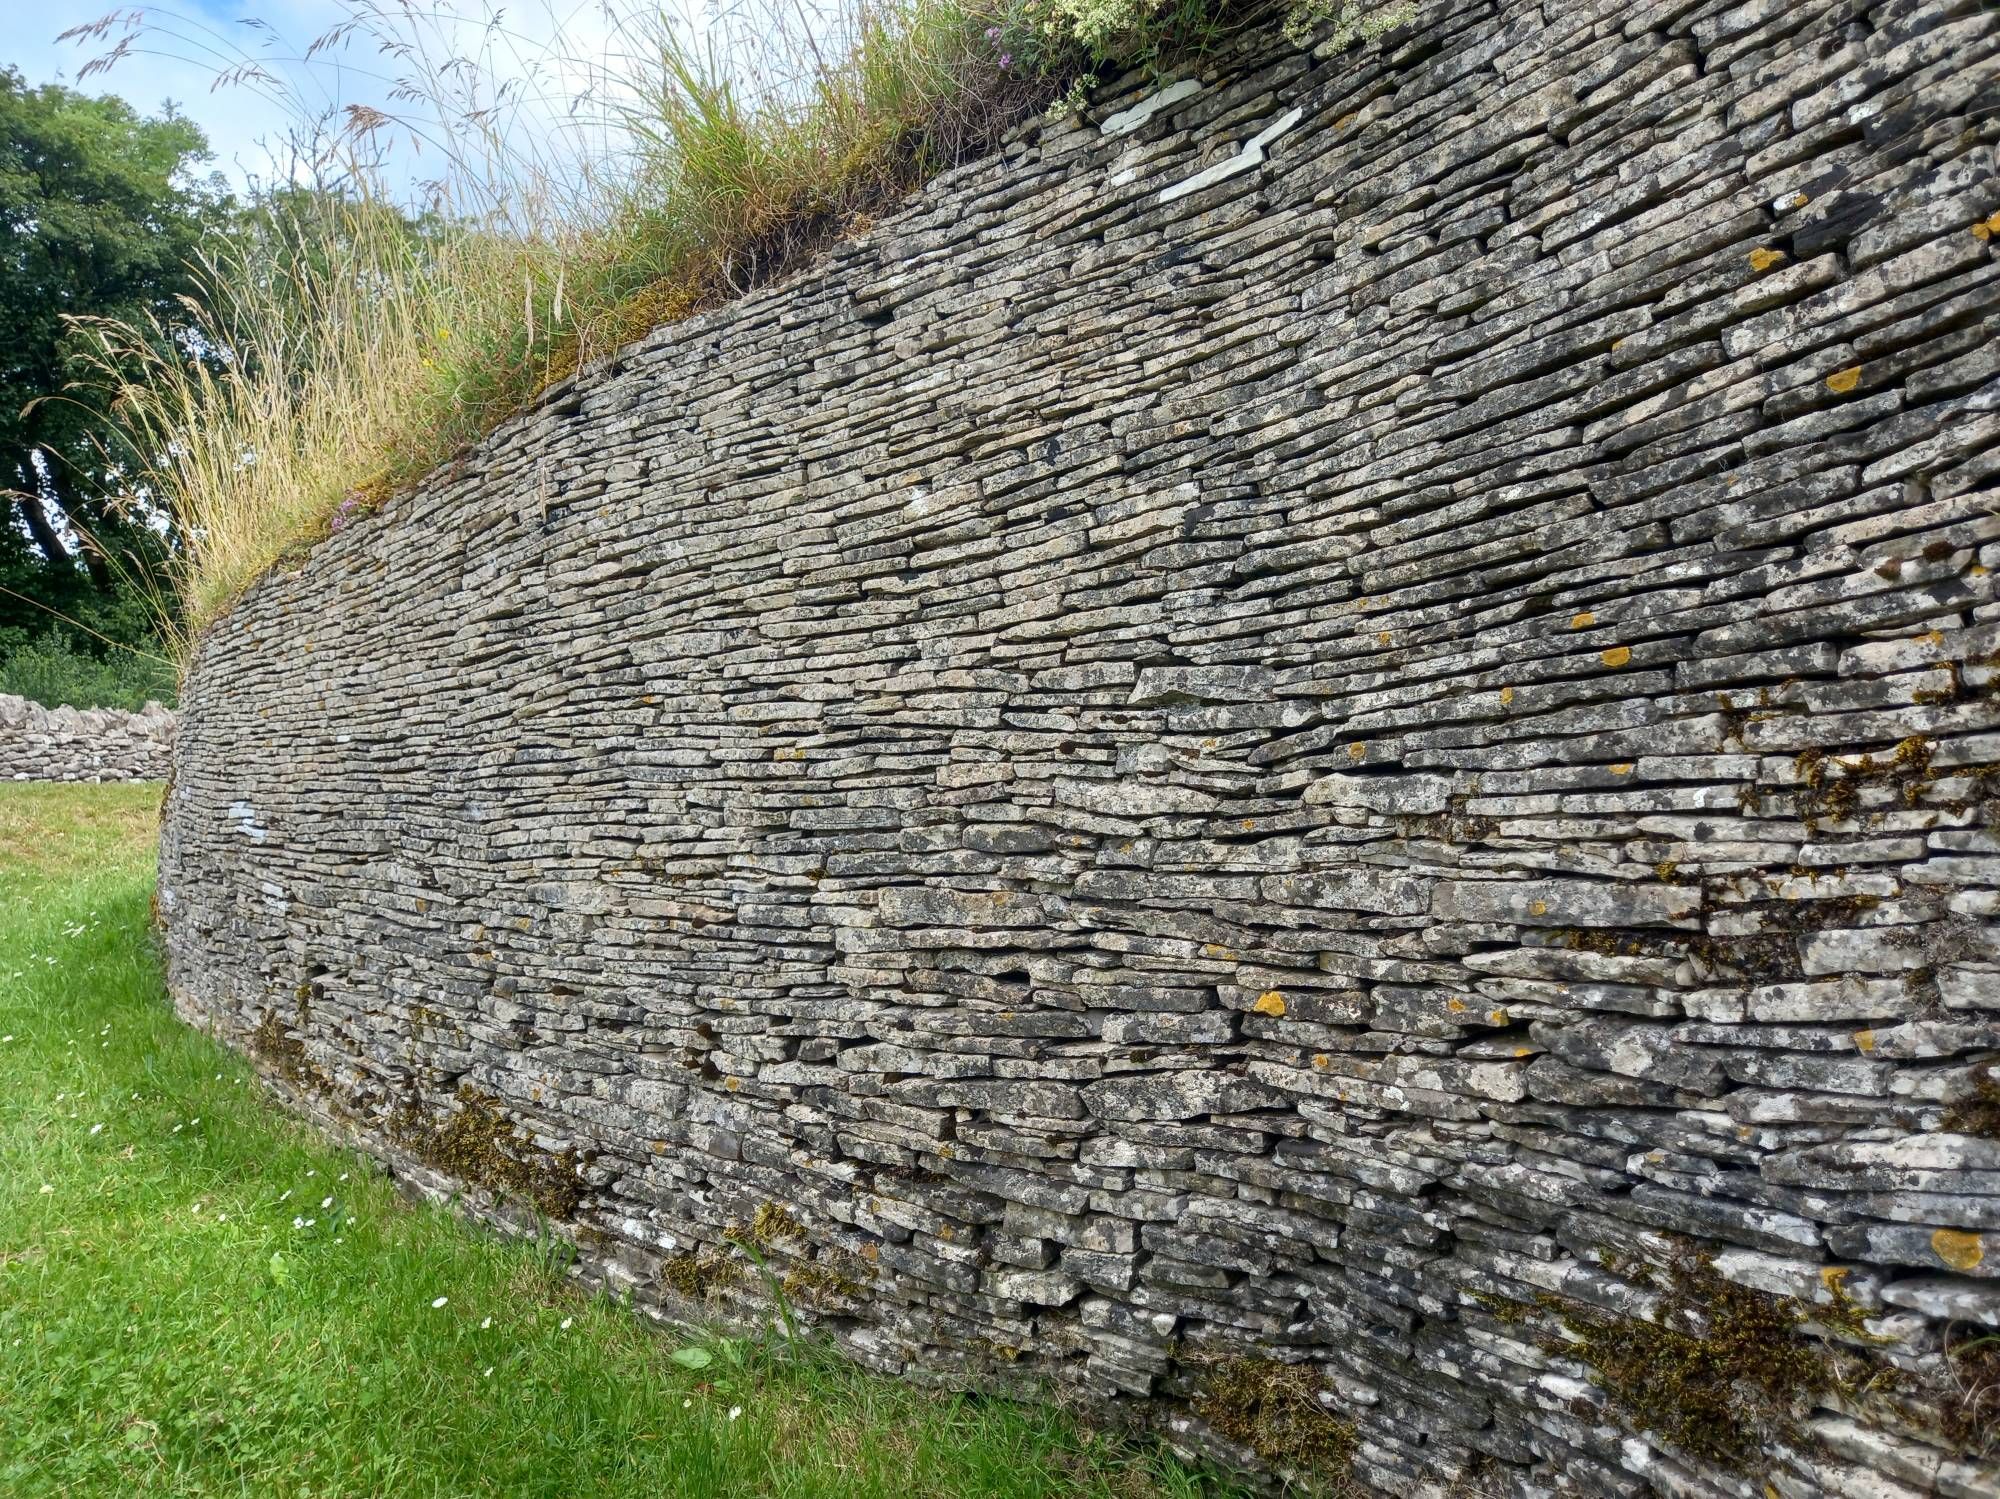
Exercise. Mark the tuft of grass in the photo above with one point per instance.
(198, 1296)
(344, 347)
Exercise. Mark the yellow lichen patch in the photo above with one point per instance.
(1538, 908)
(1864, 1040)
(1496, 1017)
(1582, 620)
(1840, 382)
(1524, 1051)
(1271, 1003)
(1986, 228)
(1763, 258)
(1506, 696)
(1249, 823)
(732, 1083)
(1799, 200)
(1958, 1249)
(1622, 768)
(1456, 1006)
(1383, 637)
(1618, 655)
(1357, 752)
(1322, 1061)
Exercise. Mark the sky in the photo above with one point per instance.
(557, 47)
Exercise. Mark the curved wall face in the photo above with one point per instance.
(1202, 751)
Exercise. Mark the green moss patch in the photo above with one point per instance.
(477, 1144)
(1275, 1410)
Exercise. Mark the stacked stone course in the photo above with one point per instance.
(1341, 719)
(83, 744)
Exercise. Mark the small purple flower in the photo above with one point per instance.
(346, 511)
(993, 33)
(1006, 61)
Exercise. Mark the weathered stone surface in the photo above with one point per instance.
(1192, 749)
(83, 744)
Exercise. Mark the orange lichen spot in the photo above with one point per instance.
(1497, 1017)
(1799, 200)
(946, 1232)
(1249, 823)
(1834, 1278)
(1383, 637)
(1933, 636)
(1622, 768)
(1618, 655)
(1583, 619)
(1763, 258)
(1456, 1006)
(1957, 1248)
(1840, 382)
(1322, 1061)
(1617, 344)
(1986, 228)
(1271, 1003)
(1357, 752)
(1506, 696)
(871, 1252)
(1538, 908)
(947, 1152)
(1524, 1051)
(1864, 1040)
(732, 1083)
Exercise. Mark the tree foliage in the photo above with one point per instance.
(103, 209)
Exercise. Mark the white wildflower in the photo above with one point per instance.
(735, 1411)
(439, 1302)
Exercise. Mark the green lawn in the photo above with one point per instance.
(198, 1296)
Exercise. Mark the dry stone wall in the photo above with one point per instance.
(83, 744)
(1317, 755)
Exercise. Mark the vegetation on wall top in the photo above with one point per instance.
(361, 344)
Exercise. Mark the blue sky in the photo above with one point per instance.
(558, 40)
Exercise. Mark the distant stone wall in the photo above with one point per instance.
(1318, 757)
(83, 744)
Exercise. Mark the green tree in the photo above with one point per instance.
(102, 209)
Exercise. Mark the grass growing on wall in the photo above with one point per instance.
(355, 347)
(198, 1297)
